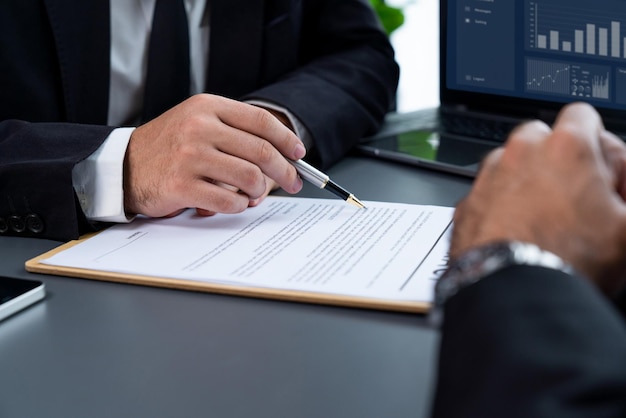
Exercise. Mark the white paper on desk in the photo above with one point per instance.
(389, 250)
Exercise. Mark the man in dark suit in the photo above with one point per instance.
(530, 320)
(72, 72)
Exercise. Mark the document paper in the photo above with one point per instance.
(387, 251)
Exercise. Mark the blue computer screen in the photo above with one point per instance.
(549, 50)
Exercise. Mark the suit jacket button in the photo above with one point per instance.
(34, 223)
(17, 223)
(4, 226)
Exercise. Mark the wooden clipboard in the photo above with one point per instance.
(35, 265)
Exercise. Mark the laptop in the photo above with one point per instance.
(506, 61)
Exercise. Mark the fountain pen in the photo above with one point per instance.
(321, 180)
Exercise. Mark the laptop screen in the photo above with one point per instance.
(529, 57)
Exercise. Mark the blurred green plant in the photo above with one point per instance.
(390, 17)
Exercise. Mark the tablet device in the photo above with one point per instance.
(17, 294)
(430, 149)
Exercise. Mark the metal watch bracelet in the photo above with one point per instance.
(482, 261)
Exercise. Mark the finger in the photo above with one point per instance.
(271, 185)
(263, 124)
(614, 153)
(581, 114)
(490, 161)
(529, 131)
(174, 214)
(281, 117)
(520, 148)
(580, 122)
(241, 159)
(204, 212)
(226, 170)
(208, 197)
(226, 186)
(522, 142)
(258, 153)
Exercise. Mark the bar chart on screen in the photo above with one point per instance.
(591, 30)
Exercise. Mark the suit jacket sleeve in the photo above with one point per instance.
(36, 161)
(531, 342)
(54, 67)
(346, 78)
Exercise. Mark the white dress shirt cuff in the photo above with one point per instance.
(99, 179)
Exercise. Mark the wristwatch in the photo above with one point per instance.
(482, 261)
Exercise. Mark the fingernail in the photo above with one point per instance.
(300, 151)
(299, 185)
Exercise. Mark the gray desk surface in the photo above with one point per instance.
(97, 349)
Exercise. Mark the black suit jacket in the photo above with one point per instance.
(531, 342)
(327, 61)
